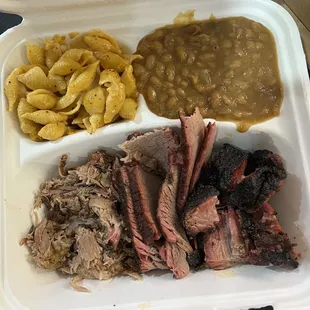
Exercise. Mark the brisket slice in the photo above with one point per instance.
(265, 158)
(268, 244)
(196, 258)
(175, 257)
(204, 153)
(256, 188)
(177, 245)
(167, 213)
(226, 246)
(148, 256)
(226, 168)
(144, 191)
(192, 135)
(151, 149)
(200, 214)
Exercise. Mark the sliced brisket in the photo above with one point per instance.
(175, 257)
(149, 257)
(226, 168)
(200, 214)
(265, 158)
(145, 190)
(226, 246)
(204, 153)
(151, 149)
(167, 213)
(256, 188)
(192, 135)
(196, 258)
(268, 244)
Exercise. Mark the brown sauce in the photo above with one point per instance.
(227, 67)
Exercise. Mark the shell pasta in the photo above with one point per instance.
(72, 83)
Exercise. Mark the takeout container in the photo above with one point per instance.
(25, 164)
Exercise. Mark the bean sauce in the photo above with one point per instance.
(227, 67)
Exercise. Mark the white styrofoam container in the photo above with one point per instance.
(24, 165)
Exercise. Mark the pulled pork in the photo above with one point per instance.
(83, 233)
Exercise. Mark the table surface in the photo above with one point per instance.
(300, 11)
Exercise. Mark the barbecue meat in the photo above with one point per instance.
(167, 213)
(226, 246)
(200, 214)
(91, 262)
(175, 258)
(82, 234)
(168, 204)
(148, 256)
(192, 135)
(226, 168)
(268, 244)
(145, 188)
(151, 149)
(265, 176)
(107, 214)
(256, 188)
(204, 153)
(177, 244)
(48, 244)
(265, 158)
(196, 258)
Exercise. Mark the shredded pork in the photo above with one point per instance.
(82, 234)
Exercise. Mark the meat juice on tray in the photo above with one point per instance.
(161, 207)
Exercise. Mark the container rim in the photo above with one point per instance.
(299, 292)
(35, 6)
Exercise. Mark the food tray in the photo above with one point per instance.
(25, 164)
